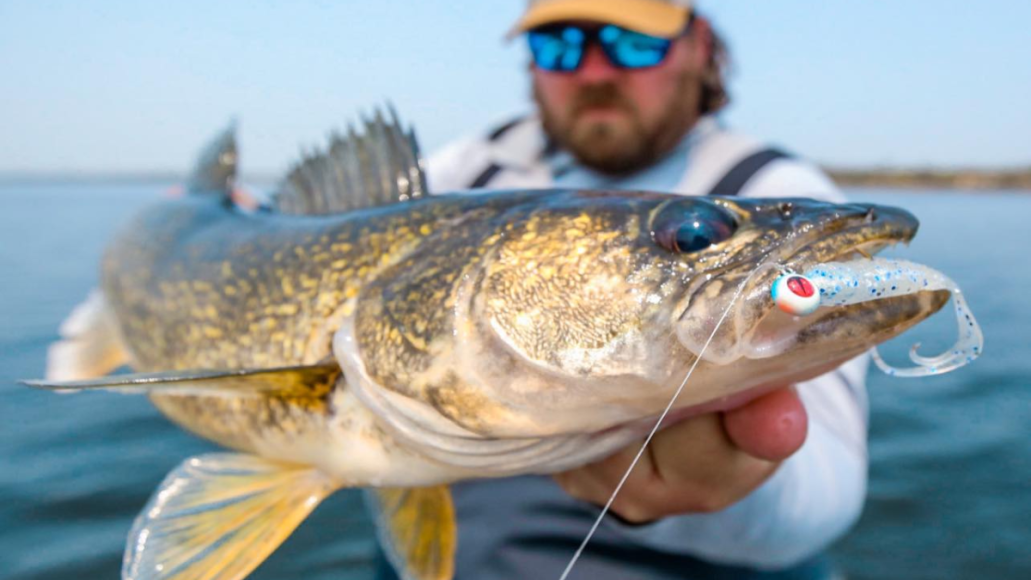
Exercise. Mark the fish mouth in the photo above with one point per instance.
(777, 332)
(843, 329)
(862, 320)
(753, 327)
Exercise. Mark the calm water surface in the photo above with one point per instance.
(950, 491)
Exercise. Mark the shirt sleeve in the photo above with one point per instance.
(817, 494)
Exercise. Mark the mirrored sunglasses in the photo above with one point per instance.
(561, 48)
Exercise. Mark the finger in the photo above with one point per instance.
(690, 467)
(771, 427)
(702, 469)
(693, 466)
(582, 484)
(644, 495)
(597, 481)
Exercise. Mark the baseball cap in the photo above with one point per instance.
(664, 18)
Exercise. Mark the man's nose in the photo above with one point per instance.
(596, 66)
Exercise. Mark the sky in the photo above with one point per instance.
(140, 85)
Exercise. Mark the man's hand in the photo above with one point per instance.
(702, 464)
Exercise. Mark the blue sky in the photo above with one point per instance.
(119, 85)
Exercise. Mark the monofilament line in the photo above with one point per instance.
(655, 429)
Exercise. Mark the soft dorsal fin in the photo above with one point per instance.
(215, 170)
(378, 166)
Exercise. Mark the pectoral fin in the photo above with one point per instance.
(297, 381)
(218, 516)
(418, 530)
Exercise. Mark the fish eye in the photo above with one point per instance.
(695, 235)
(688, 227)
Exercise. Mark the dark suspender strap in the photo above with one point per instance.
(493, 169)
(485, 176)
(736, 178)
(551, 147)
(499, 132)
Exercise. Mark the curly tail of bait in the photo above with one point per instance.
(844, 283)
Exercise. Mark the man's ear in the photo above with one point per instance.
(701, 37)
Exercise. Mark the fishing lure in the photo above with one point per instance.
(845, 283)
(795, 294)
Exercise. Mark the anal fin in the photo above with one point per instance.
(218, 516)
(418, 530)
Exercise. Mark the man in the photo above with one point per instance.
(625, 92)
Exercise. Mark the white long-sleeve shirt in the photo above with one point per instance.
(815, 496)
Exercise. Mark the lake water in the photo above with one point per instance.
(950, 490)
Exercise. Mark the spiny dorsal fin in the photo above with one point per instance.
(215, 170)
(378, 166)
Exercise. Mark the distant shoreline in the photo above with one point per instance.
(965, 179)
(970, 179)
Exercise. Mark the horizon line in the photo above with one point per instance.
(14, 176)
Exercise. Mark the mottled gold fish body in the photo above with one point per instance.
(509, 315)
(195, 283)
(362, 334)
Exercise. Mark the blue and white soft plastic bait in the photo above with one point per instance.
(844, 283)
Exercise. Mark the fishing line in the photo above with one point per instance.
(608, 505)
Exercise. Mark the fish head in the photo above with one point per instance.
(745, 342)
(578, 310)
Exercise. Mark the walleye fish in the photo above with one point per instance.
(363, 334)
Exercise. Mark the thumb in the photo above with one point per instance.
(771, 427)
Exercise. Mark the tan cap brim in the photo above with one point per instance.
(653, 17)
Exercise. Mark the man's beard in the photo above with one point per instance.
(618, 149)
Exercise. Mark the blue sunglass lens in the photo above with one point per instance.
(557, 49)
(629, 49)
